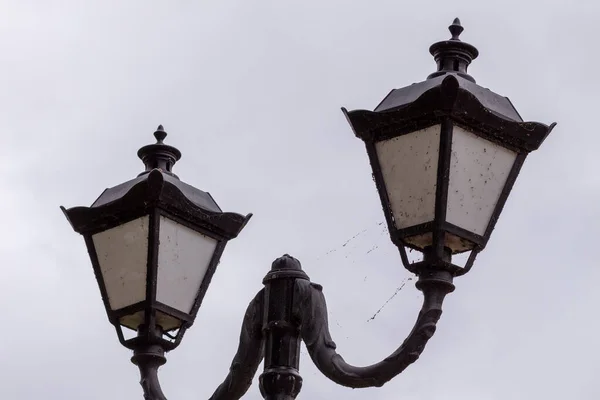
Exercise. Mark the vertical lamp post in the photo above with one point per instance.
(445, 154)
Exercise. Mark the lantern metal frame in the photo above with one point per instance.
(155, 193)
(449, 97)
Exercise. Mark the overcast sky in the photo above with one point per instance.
(250, 92)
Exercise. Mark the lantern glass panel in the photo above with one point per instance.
(166, 322)
(409, 165)
(123, 257)
(184, 256)
(478, 173)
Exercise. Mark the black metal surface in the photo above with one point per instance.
(154, 194)
(449, 98)
(453, 55)
(456, 56)
(290, 308)
(148, 358)
(162, 157)
(441, 188)
(271, 329)
(157, 192)
(153, 332)
(153, 190)
(281, 379)
(434, 283)
(294, 309)
(196, 196)
(159, 155)
(248, 356)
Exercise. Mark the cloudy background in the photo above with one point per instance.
(250, 92)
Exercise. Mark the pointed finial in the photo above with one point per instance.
(455, 29)
(453, 56)
(159, 155)
(160, 134)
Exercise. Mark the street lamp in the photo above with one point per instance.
(444, 152)
(154, 243)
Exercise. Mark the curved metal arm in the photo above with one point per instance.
(249, 354)
(312, 311)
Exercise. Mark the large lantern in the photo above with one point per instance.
(445, 154)
(154, 243)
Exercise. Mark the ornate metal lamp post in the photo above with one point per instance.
(445, 153)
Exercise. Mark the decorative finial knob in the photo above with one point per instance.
(160, 134)
(159, 155)
(455, 29)
(453, 56)
(286, 262)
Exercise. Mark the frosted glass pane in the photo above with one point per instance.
(478, 172)
(122, 254)
(183, 258)
(133, 321)
(453, 242)
(166, 322)
(409, 166)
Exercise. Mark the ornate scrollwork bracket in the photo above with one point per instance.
(312, 310)
(243, 368)
(291, 309)
(249, 354)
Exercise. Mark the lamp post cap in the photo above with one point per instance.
(159, 155)
(286, 262)
(453, 56)
(160, 134)
(285, 267)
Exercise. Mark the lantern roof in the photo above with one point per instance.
(157, 187)
(449, 93)
(198, 197)
(452, 56)
(495, 103)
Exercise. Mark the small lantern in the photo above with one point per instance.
(445, 154)
(154, 243)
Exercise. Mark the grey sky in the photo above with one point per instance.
(250, 92)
